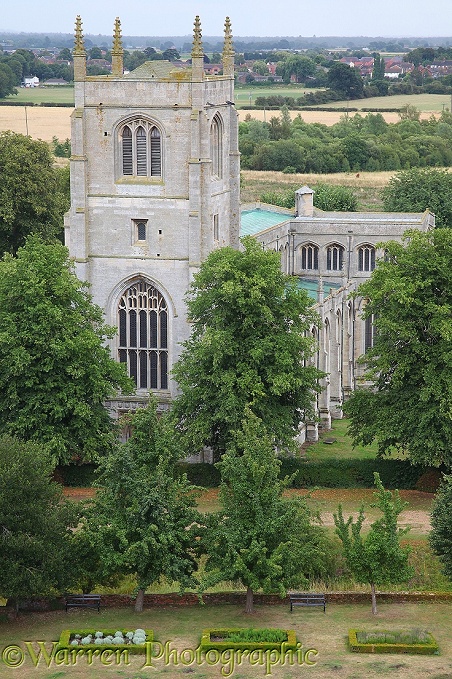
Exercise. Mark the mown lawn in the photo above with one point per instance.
(181, 628)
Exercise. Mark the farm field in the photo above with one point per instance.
(367, 186)
(181, 628)
(246, 96)
(423, 102)
(59, 95)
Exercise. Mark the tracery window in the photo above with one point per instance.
(141, 149)
(366, 258)
(334, 257)
(216, 147)
(309, 257)
(143, 335)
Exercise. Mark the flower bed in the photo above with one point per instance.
(253, 639)
(133, 641)
(384, 641)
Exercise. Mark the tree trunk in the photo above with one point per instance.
(249, 607)
(139, 601)
(374, 599)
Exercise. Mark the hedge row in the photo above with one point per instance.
(326, 473)
(430, 648)
(34, 103)
(336, 473)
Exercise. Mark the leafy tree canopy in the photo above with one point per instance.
(259, 538)
(441, 520)
(345, 80)
(34, 523)
(250, 336)
(409, 296)
(420, 189)
(376, 558)
(144, 521)
(32, 198)
(55, 371)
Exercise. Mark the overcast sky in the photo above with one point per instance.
(248, 17)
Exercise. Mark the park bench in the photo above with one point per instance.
(307, 599)
(83, 601)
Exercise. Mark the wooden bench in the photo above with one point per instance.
(307, 599)
(83, 601)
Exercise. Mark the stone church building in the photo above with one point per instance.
(155, 187)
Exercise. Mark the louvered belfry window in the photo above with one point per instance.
(143, 335)
(141, 149)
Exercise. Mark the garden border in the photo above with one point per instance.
(415, 649)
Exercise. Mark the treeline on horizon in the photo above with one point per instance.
(214, 43)
(358, 143)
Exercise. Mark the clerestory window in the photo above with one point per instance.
(366, 258)
(143, 335)
(141, 149)
(309, 257)
(334, 258)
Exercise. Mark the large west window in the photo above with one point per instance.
(143, 335)
(141, 149)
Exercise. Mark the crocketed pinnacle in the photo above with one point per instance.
(79, 45)
(228, 49)
(197, 50)
(117, 39)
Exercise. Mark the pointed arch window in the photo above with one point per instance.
(143, 335)
(309, 257)
(334, 257)
(366, 258)
(216, 147)
(141, 149)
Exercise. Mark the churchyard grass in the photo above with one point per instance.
(182, 627)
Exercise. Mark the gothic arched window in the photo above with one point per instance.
(334, 257)
(143, 335)
(366, 258)
(309, 257)
(216, 147)
(141, 149)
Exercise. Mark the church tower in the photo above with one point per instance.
(154, 189)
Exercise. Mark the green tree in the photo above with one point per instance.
(143, 520)
(409, 367)
(7, 80)
(333, 198)
(376, 558)
(35, 525)
(421, 189)
(261, 68)
(31, 199)
(259, 538)
(440, 537)
(55, 371)
(345, 80)
(250, 337)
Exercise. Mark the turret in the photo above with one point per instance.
(117, 52)
(197, 53)
(79, 53)
(228, 50)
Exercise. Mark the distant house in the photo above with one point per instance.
(30, 81)
(213, 69)
(440, 68)
(53, 82)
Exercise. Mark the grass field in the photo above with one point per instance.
(181, 627)
(367, 186)
(246, 96)
(38, 95)
(423, 102)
